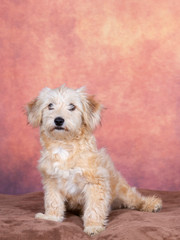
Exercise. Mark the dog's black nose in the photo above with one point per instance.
(59, 121)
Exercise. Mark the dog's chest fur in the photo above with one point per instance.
(69, 185)
(63, 166)
(71, 182)
(61, 157)
(61, 153)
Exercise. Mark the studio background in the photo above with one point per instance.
(127, 53)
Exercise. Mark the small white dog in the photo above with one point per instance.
(73, 169)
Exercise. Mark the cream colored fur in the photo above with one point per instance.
(73, 169)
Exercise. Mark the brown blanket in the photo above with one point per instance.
(17, 221)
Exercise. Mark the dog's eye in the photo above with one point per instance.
(72, 107)
(50, 106)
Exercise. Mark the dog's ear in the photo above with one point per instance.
(35, 107)
(34, 113)
(91, 109)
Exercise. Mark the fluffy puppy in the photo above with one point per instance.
(73, 170)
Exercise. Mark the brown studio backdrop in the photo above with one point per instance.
(127, 53)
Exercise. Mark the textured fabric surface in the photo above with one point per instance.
(17, 221)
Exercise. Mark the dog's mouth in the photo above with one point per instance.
(59, 129)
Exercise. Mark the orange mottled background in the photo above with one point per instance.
(125, 52)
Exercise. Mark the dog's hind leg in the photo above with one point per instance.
(132, 199)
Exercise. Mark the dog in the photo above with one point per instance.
(75, 173)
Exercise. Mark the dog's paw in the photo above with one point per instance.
(157, 206)
(152, 204)
(93, 230)
(48, 217)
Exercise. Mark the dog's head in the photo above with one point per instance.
(64, 112)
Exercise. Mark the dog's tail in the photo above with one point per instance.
(129, 197)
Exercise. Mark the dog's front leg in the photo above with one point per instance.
(53, 202)
(97, 206)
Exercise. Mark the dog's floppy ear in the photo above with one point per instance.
(91, 109)
(34, 109)
(34, 113)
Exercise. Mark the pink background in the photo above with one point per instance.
(127, 53)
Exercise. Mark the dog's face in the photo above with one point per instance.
(63, 112)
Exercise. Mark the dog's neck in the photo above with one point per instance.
(85, 138)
